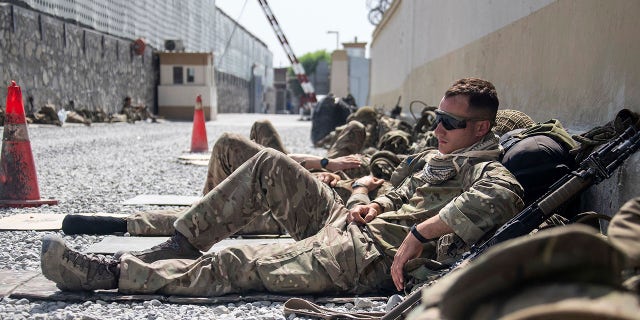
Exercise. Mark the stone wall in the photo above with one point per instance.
(56, 62)
(233, 93)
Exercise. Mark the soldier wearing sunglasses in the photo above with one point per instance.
(444, 202)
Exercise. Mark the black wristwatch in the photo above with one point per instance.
(324, 162)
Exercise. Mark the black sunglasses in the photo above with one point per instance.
(451, 122)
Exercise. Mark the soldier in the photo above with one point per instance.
(134, 113)
(47, 115)
(229, 152)
(450, 198)
(568, 272)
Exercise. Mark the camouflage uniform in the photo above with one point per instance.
(568, 272)
(230, 152)
(624, 230)
(330, 256)
(47, 115)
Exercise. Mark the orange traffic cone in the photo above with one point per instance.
(199, 133)
(18, 181)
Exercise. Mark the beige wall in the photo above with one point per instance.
(574, 60)
(177, 101)
(339, 85)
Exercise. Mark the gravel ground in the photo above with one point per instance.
(94, 169)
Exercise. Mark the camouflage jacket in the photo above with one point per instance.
(483, 196)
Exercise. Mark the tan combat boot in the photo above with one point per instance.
(75, 271)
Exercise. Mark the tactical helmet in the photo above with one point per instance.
(365, 115)
(508, 119)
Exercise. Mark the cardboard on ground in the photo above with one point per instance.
(162, 200)
(41, 221)
(112, 244)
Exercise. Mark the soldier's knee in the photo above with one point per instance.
(226, 139)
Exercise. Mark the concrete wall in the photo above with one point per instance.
(339, 84)
(574, 60)
(56, 62)
(359, 79)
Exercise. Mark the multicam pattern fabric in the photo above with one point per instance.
(624, 230)
(229, 152)
(350, 140)
(264, 134)
(568, 272)
(482, 196)
(330, 255)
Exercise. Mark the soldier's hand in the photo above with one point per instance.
(343, 163)
(329, 178)
(362, 214)
(409, 249)
(370, 182)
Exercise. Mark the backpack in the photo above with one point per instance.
(538, 156)
(328, 114)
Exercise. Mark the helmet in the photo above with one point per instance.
(507, 120)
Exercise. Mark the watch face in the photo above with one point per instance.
(324, 162)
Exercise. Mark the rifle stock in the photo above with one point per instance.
(598, 166)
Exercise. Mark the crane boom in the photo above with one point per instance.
(298, 69)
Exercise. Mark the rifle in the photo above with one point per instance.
(598, 166)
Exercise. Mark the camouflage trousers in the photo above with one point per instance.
(328, 257)
(229, 152)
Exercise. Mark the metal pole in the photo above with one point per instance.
(337, 38)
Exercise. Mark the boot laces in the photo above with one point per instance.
(96, 265)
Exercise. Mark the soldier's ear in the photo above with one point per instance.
(482, 127)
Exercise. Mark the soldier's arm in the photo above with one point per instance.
(311, 162)
(412, 245)
(492, 197)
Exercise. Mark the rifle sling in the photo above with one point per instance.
(308, 308)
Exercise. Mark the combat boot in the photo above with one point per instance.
(75, 271)
(176, 247)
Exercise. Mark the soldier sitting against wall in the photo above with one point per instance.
(46, 115)
(134, 113)
(458, 194)
(72, 116)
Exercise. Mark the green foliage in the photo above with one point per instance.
(309, 62)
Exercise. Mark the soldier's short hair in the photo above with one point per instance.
(482, 95)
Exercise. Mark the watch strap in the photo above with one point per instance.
(415, 233)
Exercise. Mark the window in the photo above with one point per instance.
(191, 75)
(177, 75)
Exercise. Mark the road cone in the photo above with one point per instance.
(199, 133)
(18, 181)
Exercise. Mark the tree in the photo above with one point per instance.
(309, 62)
